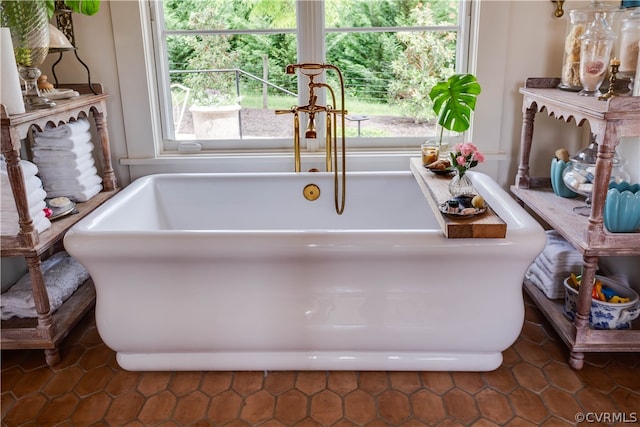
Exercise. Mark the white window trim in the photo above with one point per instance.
(132, 33)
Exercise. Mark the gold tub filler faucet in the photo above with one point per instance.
(312, 70)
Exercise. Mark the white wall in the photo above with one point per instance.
(516, 40)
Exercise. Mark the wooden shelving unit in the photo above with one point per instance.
(48, 329)
(609, 120)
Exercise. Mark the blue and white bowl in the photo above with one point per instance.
(622, 208)
(604, 315)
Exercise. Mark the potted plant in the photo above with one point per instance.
(214, 102)
(453, 102)
(215, 112)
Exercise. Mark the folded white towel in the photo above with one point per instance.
(62, 276)
(562, 274)
(50, 173)
(31, 184)
(552, 288)
(567, 263)
(62, 163)
(77, 195)
(35, 198)
(41, 223)
(61, 143)
(37, 209)
(81, 183)
(557, 246)
(9, 223)
(65, 131)
(28, 169)
(47, 155)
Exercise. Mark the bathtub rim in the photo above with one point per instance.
(516, 217)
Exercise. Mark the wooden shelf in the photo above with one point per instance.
(20, 333)
(597, 340)
(48, 329)
(13, 246)
(558, 213)
(608, 120)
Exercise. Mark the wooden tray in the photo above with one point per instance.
(436, 190)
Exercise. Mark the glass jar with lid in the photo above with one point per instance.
(595, 52)
(629, 44)
(579, 21)
(579, 175)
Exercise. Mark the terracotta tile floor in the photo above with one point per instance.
(533, 387)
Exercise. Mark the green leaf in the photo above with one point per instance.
(51, 7)
(85, 7)
(454, 100)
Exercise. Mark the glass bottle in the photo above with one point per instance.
(595, 53)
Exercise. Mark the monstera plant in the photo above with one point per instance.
(453, 102)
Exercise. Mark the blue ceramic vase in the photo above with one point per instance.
(622, 208)
(558, 185)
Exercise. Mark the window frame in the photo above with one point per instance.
(311, 47)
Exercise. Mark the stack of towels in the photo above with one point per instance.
(65, 161)
(62, 276)
(556, 262)
(35, 197)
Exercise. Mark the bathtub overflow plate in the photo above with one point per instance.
(311, 192)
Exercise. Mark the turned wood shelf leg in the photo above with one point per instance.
(52, 356)
(526, 137)
(576, 360)
(109, 181)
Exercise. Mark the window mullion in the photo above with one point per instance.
(311, 48)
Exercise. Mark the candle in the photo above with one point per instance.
(615, 61)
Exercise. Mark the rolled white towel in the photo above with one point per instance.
(69, 143)
(84, 182)
(67, 130)
(62, 276)
(77, 195)
(44, 155)
(50, 173)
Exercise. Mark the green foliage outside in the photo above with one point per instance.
(393, 69)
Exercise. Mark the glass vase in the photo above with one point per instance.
(460, 185)
(29, 26)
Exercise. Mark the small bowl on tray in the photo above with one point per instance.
(461, 207)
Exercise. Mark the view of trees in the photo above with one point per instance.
(386, 67)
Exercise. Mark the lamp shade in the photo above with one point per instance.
(57, 40)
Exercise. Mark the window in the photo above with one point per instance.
(221, 68)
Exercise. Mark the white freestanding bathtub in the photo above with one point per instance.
(241, 272)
